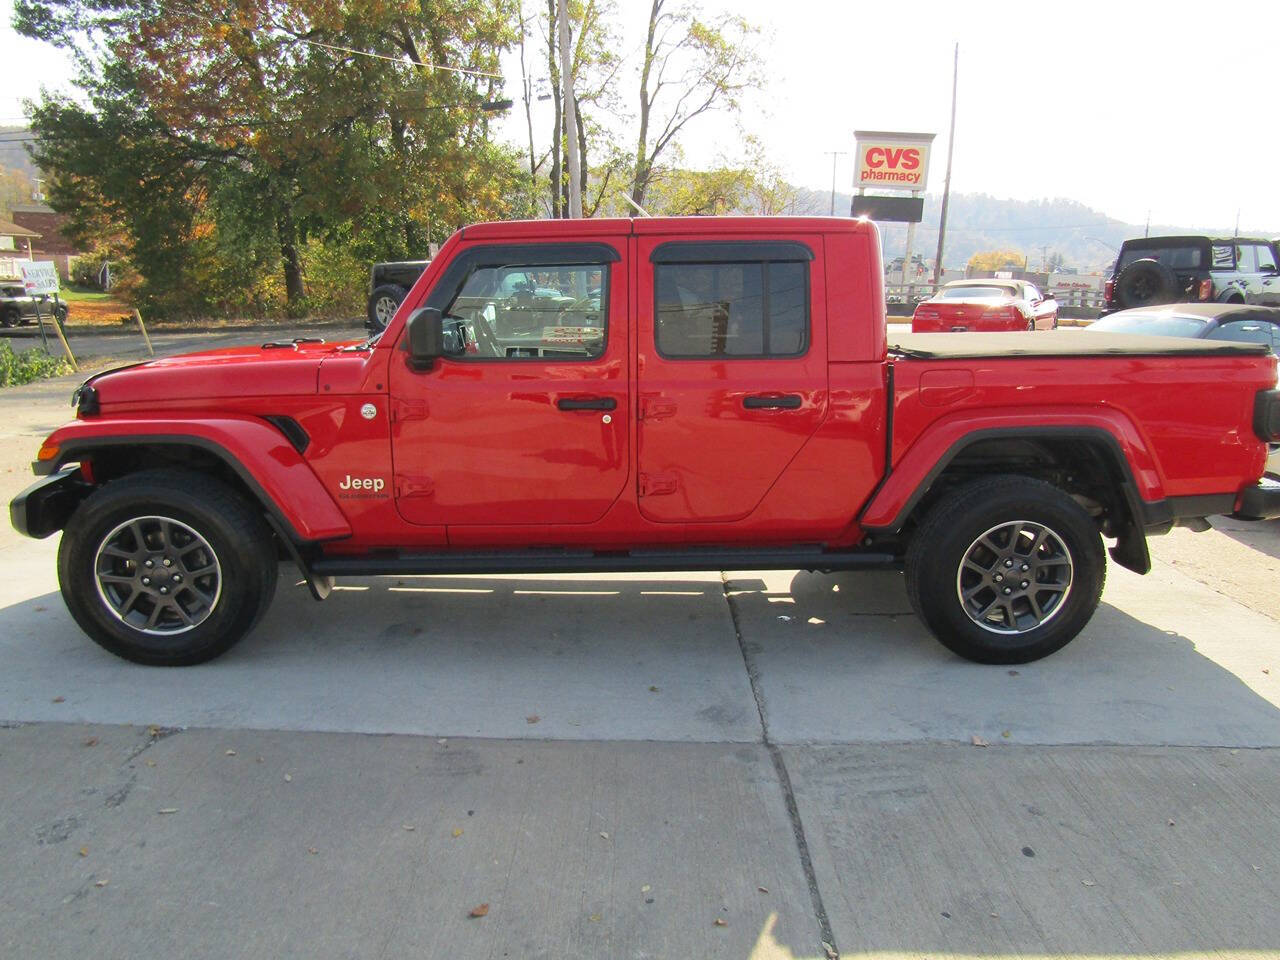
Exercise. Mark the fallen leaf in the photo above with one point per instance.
(408, 826)
(646, 888)
(1006, 734)
(231, 753)
(100, 883)
(84, 851)
(763, 889)
(149, 762)
(167, 810)
(457, 832)
(59, 700)
(1234, 752)
(979, 742)
(719, 922)
(1266, 670)
(288, 778)
(1089, 883)
(594, 918)
(91, 742)
(532, 718)
(153, 731)
(603, 835)
(653, 689)
(480, 911)
(830, 951)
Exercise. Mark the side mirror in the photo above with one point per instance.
(426, 337)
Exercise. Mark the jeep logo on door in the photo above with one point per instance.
(893, 161)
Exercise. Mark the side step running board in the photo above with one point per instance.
(587, 561)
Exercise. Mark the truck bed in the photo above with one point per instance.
(1058, 343)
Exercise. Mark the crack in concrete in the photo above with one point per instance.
(784, 780)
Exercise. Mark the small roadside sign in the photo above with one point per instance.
(40, 278)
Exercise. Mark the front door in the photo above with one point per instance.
(732, 371)
(525, 422)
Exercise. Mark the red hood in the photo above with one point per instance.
(211, 374)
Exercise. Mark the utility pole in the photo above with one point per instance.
(570, 111)
(835, 155)
(946, 186)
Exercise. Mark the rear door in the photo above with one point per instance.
(731, 370)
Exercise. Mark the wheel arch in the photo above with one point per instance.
(1087, 463)
(263, 466)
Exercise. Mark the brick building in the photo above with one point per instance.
(50, 243)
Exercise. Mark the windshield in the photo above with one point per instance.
(973, 293)
(1155, 324)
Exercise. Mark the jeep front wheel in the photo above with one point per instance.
(166, 568)
(1005, 570)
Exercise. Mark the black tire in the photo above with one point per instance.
(383, 303)
(954, 529)
(167, 506)
(1145, 282)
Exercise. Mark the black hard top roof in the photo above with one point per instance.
(1188, 240)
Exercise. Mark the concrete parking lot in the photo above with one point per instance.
(746, 764)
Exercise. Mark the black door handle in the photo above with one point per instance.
(772, 401)
(587, 403)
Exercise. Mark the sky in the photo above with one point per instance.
(1139, 110)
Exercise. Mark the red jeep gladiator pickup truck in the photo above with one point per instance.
(649, 394)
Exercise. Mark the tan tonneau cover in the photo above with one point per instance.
(1058, 343)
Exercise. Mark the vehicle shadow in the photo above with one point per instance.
(835, 658)
(842, 659)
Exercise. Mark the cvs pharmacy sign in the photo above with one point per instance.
(892, 161)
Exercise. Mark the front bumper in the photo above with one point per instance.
(1260, 502)
(45, 506)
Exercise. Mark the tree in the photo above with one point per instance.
(292, 119)
(15, 188)
(690, 66)
(997, 260)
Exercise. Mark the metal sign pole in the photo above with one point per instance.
(40, 321)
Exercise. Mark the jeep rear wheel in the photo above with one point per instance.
(1005, 570)
(166, 568)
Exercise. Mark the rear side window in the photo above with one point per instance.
(732, 309)
(1175, 258)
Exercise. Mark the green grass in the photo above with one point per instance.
(28, 366)
(74, 295)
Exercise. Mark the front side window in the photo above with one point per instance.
(748, 309)
(527, 312)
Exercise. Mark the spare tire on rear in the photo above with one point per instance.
(1146, 282)
(383, 303)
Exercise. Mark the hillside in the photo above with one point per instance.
(977, 222)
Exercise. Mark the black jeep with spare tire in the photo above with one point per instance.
(1155, 270)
